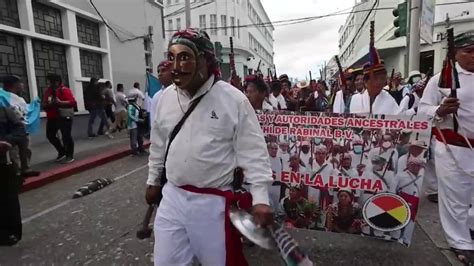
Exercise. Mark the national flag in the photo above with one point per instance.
(153, 85)
(33, 116)
(4, 98)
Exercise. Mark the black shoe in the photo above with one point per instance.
(30, 173)
(9, 241)
(68, 160)
(60, 157)
(433, 197)
(92, 136)
(143, 152)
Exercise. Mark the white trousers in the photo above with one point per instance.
(456, 192)
(431, 180)
(187, 226)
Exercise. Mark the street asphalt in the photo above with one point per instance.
(99, 229)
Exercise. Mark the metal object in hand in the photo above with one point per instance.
(243, 221)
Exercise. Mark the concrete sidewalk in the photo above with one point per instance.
(89, 153)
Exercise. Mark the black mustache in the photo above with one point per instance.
(177, 73)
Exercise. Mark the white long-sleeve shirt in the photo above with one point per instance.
(433, 97)
(277, 100)
(154, 102)
(139, 94)
(219, 135)
(339, 104)
(384, 104)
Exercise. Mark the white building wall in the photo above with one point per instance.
(122, 61)
(393, 50)
(131, 20)
(245, 57)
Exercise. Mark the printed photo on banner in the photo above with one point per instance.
(347, 173)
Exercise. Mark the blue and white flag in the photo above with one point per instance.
(5, 97)
(153, 85)
(33, 118)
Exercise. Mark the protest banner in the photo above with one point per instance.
(347, 173)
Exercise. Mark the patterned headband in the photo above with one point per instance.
(197, 40)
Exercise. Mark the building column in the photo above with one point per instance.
(106, 58)
(25, 12)
(30, 68)
(73, 57)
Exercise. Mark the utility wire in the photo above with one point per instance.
(112, 29)
(363, 22)
(294, 21)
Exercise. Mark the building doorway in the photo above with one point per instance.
(427, 62)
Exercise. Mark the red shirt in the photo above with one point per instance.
(63, 93)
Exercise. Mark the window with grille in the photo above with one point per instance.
(88, 32)
(213, 24)
(91, 64)
(47, 20)
(232, 25)
(12, 59)
(202, 21)
(178, 24)
(9, 13)
(49, 58)
(224, 24)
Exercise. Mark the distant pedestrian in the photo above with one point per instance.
(59, 104)
(120, 110)
(164, 75)
(133, 125)
(15, 87)
(109, 101)
(12, 132)
(135, 91)
(95, 104)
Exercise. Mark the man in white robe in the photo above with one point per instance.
(453, 155)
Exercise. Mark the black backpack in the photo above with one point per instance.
(411, 102)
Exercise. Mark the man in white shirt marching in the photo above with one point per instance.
(164, 75)
(221, 134)
(343, 97)
(453, 155)
(276, 98)
(374, 100)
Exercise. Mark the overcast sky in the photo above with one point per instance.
(302, 47)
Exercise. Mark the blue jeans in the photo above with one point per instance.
(93, 113)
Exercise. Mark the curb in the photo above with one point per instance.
(76, 167)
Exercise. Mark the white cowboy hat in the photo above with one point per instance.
(302, 84)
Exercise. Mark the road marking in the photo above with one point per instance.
(50, 209)
(129, 173)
